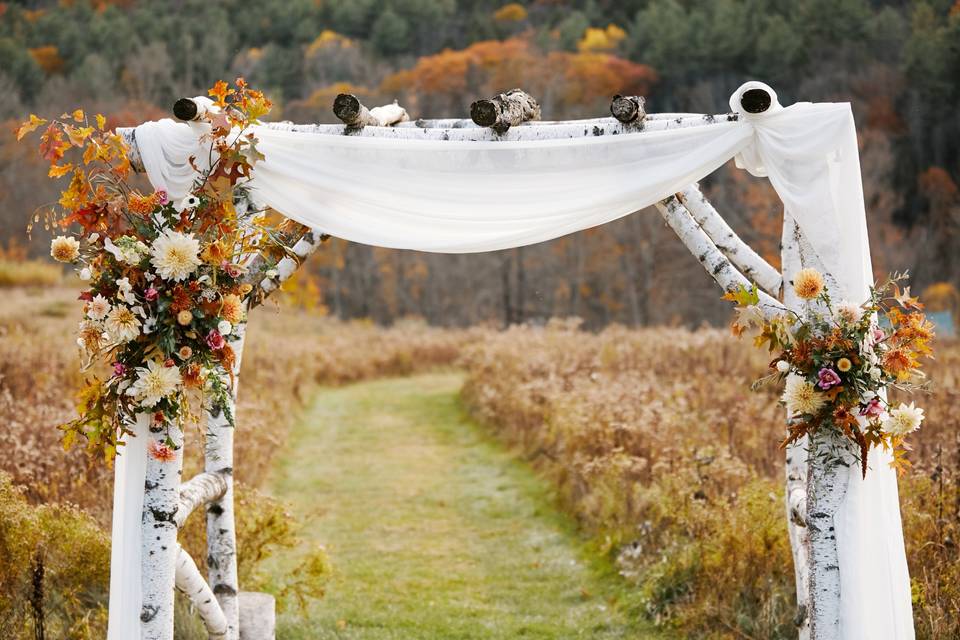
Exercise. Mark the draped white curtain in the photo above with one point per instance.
(460, 196)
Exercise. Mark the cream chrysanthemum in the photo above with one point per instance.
(65, 249)
(849, 312)
(232, 309)
(801, 396)
(154, 383)
(808, 283)
(175, 255)
(122, 324)
(903, 420)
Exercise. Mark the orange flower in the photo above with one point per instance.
(181, 300)
(161, 451)
(193, 376)
(215, 253)
(808, 283)
(231, 309)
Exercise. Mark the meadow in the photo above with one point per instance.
(649, 438)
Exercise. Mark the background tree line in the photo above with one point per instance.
(897, 61)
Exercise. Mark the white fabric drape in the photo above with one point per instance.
(459, 197)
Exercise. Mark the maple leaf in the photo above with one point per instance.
(76, 195)
(58, 170)
(77, 135)
(30, 125)
(78, 115)
(220, 91)
(101, 121)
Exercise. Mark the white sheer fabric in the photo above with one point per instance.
(458, 197)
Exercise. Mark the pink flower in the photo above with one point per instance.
(872, 409)
(119, 369)
(162, 197)
(151, 294)
(215, 340)
(878, 335)
(169, 362)
(161, 451)
(827, 378)
(233, 270)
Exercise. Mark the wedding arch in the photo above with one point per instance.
(505, 179)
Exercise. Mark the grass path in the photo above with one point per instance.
(433, 530)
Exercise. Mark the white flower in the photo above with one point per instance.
(149, 325)
(175, 255)
(875, 373)
(98, 308)
(65, 249)
(224, 327)
(189, 202)
(903, 420)
(848, 312)
(149, 276)
(122, 325)
(86, 274)
(783, 366)
(801, 396)
(154, 383)
(93, 237)
(125, 291)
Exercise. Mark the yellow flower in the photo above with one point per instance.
(185, 317)
(185, 352)
(844, 364)
(245, 288)
(65, 249)
(808, 283)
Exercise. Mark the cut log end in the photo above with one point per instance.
(185, 109)
(484, 113)
(628, 109)
(346, 107)
(756, 100)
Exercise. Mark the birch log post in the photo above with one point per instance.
(628, 109)
(159, 530)
(795, 469)
(351, 111)
(505, 110)
(221, 524)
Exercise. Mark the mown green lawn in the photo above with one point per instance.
(433, 530)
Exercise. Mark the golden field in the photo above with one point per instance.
(651, 437)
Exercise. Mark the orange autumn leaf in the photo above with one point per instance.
(57, 170)
(30, 125)
(220, 91)
(52, 144)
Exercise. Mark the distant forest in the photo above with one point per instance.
(897, 62)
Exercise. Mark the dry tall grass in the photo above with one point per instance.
(286, 354)
(659, 448)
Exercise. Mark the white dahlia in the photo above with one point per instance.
(154, 383)
(98, 308)
(122, 324)
(175, 255)
(848, 312)
(65, 249)
(903, 420)
(801, 396)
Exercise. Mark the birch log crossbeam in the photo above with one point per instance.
(748, 261)
(350, 110)
(505, 110)
(719, 266)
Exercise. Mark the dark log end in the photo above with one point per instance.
(185, 109)
(346, 107)
(484, 113)
(627, 109)
(755, 100)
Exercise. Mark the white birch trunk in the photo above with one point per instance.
(796, 453)
(191, 584)
(221, 525)
(199, 490)
(505, 110)
(353, 114)
(467, 123)
(159, 534)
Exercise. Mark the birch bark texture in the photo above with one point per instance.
(505, 110)
(221, 525)
(161, 496)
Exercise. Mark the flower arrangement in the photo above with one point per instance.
(164, 281)
(837, 360)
